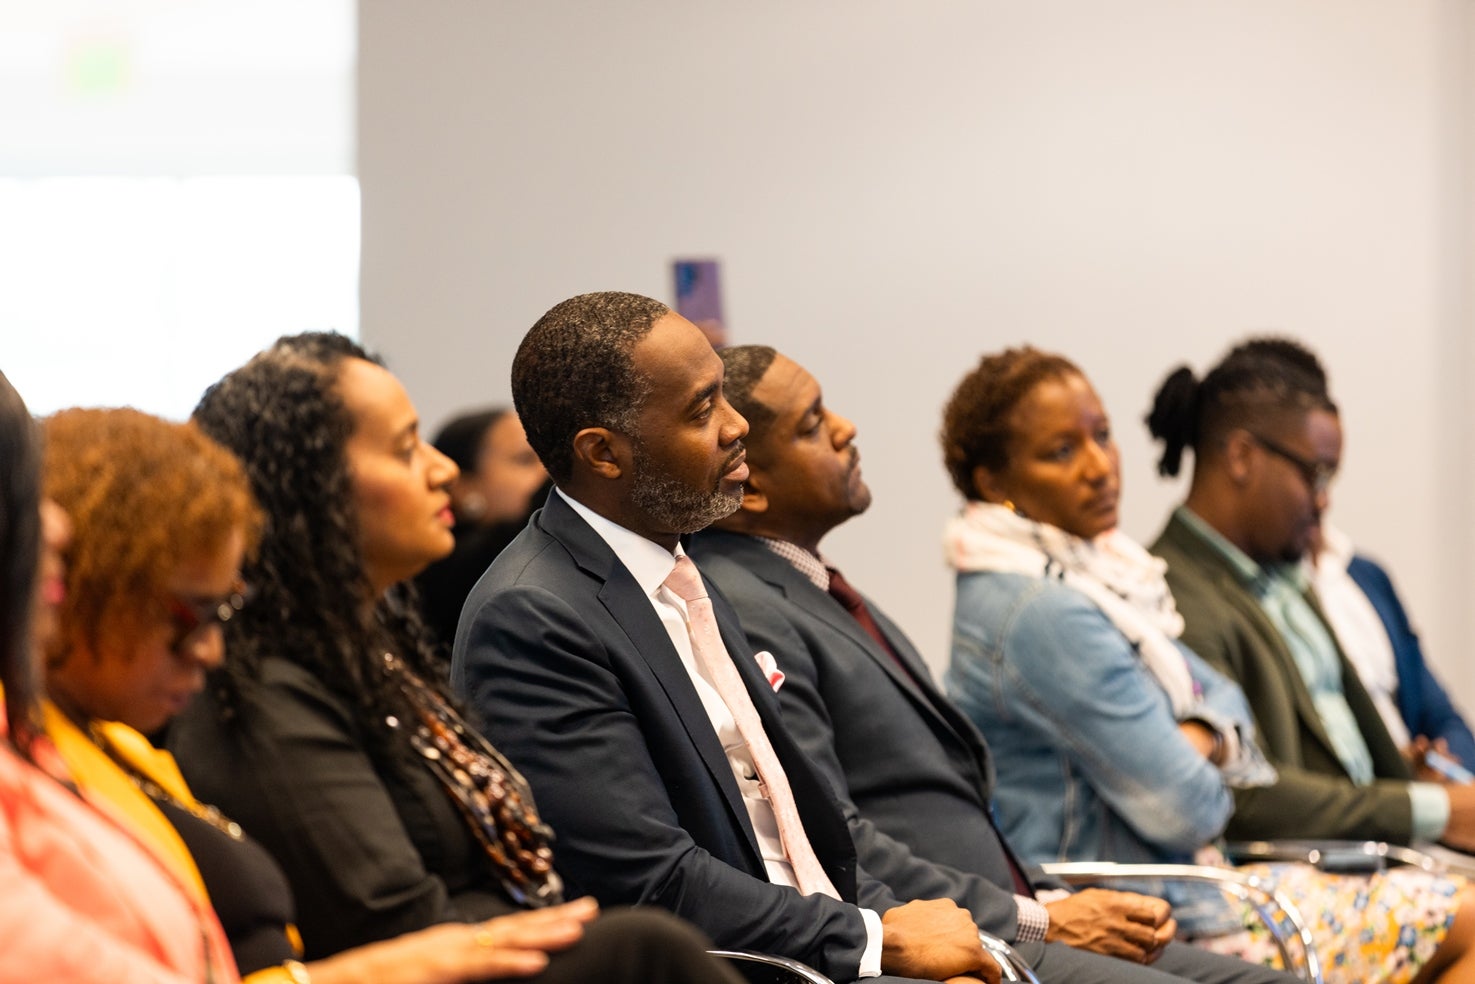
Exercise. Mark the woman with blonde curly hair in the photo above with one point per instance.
(164, 520)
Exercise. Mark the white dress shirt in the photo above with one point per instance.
(1364, 639)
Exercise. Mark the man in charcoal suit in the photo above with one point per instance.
(914, 774)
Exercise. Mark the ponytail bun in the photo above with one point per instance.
(1174, 418)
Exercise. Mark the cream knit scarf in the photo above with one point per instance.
(1129, 585)
(1123, 580)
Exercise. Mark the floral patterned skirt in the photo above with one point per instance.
(1379, 927)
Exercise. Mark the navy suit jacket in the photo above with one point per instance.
(574, 678)
(916, 772)
(1422, 702)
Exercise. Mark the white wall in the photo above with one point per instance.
(895, 188)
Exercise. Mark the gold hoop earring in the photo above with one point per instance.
(1009, 505)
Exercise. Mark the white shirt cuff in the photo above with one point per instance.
(1430, 804)
(870, 960)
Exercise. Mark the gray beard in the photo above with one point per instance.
(674, 507)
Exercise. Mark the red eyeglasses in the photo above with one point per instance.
(192, 616)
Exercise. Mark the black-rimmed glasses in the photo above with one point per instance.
(191, 616)
(1317, 474)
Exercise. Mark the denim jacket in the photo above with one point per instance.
(1091, 764)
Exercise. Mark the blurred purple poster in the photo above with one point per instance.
(699, 297)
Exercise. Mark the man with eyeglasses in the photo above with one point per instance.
(1267, 441)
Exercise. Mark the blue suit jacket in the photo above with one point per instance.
(576, 681)
(1422, 702)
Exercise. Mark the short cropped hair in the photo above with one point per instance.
(745, 366)
(574, 369)
(975, 422)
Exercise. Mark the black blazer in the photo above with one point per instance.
(576, 681)
(916, 772)
(370, 843)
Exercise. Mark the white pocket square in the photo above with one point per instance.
(769, 666)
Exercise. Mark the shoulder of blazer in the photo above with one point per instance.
(558, 520)
(1198, 572)
(743, 552)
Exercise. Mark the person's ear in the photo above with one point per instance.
(604, 453)
(1239, 455)
(755, 496)
(988, 485)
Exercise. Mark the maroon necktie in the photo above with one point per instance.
(850, 599)
(852, 602)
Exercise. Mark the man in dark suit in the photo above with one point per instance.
(913, 773)
(589, 665)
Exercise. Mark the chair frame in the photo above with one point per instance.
(1247, 888)
(1327, 855)
(1012, 966)
(801, 972)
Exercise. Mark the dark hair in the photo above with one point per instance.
(744, 366)
(573, 370)
(460, 437)
(20, 546)
(975, 422)
(1254, 386)
(281, 413)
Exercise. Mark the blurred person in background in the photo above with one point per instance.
(500, 483)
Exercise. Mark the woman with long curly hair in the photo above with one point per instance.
(330, 733)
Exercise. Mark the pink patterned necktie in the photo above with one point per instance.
(712, 656)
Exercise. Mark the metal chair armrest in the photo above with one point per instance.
(1012, 966)
(765, 968)
(1336, 855)
(1246, 888)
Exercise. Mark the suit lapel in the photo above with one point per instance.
(937, 703)
(630, 610)
(915, 681)
(824, 822)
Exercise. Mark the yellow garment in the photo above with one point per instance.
(108, 788)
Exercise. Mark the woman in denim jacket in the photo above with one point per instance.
(1115, 741)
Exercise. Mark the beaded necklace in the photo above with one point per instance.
(200, 811)
(493, 797)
